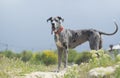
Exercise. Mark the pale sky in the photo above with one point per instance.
(23, 23)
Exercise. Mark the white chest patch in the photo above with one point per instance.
(58, 43)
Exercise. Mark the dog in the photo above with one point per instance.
(66, 38)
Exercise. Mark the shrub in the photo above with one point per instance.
(8, 53)
(82, 57)
(49, 57)
(118, 57)
(17, 55)
(15, 68)
(26, 56)
(36, 58)
(72, 72)
(100, 58)
(117, 73)
(71, 55)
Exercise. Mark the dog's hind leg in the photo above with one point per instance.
(94, 43)
(100, 43)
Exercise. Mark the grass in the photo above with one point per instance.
(10, 68)
(14, 67)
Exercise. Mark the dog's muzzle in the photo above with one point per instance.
(53, 28)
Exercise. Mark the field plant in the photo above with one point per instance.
(18, 64)
(72, 72)
(48, 57)
(82, 57)
(16, 67)
(71, 55)
(10, 68)
(117, 73)
(100, 58)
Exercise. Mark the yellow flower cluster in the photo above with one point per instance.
(50, 53)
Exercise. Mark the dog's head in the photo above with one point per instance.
(55, 23)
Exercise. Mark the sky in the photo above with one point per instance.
(23, 23)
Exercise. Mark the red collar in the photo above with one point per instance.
(59, 30)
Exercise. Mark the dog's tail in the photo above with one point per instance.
(110, 33)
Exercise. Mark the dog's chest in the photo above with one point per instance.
(57, 41)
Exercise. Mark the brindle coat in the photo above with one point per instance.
(67, 38)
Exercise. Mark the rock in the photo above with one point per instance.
(46, 75)
(101, 72)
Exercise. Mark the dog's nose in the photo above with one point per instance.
(53, 24)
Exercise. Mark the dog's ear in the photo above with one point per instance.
(49, 19)
(60, 18)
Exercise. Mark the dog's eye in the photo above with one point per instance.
(51, 20)
(56, 20)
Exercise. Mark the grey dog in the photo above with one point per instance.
(66, 38)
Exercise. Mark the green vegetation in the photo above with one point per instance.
(72, 55)
(18, 64)
(83, 57)
(48, 57)
(72, 72)
(95, 59)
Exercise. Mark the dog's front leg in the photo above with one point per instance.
(60, 51)
(65, 58)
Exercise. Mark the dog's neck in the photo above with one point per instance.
(59, 30)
